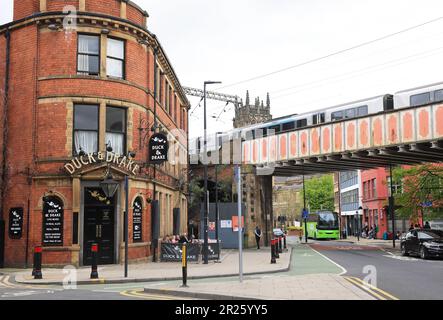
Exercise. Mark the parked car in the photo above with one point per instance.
(438, 225)
(425, 243)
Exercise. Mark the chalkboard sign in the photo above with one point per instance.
(15, 223)
(52, 222)
(158, 148)
(137, 216)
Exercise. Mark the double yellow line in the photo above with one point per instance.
(5, 283)
(141, 295)
(374, 291)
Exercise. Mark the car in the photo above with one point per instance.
(278, 232)
(425, 243)
(437, 225)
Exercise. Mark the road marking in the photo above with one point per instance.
(147, 296)
(402, 258)
(342, 268)
(369, 287)
(5, 283)
(379, 297)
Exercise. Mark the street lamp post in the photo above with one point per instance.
(205, 216)
(358, 222)
(304, 209)
(109, 187)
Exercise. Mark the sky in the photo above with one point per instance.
(235, 40)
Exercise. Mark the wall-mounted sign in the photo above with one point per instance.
(52, 222)
(235, 223)
(122, 162)
(137, 216)
(158, 148)
(15, 223)
(226, 224)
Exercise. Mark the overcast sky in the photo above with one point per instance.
(234, 40)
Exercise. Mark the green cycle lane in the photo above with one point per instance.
(305, 260)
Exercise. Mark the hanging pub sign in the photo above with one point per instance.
(52, 222)
(158, 148)
(137, 212)
(15, 223)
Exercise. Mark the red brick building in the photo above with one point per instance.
(74, 84)
(375, 199)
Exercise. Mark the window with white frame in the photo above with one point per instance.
(115, 61)
(85, 128)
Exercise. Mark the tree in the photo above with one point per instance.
(422, 191)
(320, 193)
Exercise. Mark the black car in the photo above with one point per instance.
(423, 242)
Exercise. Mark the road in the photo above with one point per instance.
(401, 277)
(130, 291)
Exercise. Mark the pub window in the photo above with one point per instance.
(115, 61)
(85, 128)
(116, 129)
(419, 99)
(88, 55)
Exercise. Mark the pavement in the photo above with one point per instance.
(385, 244)
(311, 276)
(254, 262)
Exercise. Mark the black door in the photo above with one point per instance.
(99, 229)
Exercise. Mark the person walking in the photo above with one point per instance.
(427, 225)
(258, 235)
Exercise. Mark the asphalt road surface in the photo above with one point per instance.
(400, 277)
(130, 291)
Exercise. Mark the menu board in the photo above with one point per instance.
(52, 222)
(137, 215)
(15, 223)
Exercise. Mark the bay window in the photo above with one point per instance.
(115, 60)
(116, 129)
(88, 58)
(85, 128)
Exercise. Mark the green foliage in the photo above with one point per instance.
(196, 192)
(420, 184)
(320, 193)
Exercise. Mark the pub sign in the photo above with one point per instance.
(15, 223)
(52, 222)
(158, 148)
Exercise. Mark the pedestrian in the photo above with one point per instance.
(375, 231)
(183, 239)
(258, 235)
(427, 225)
(411, 227)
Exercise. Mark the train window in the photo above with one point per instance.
(362, 111)
(288, 126)
(276, 128)
(314, 119)
(438, 95)
(322, 117)
(338, 115)
(260, 132)
(249, 134)
(350, 113)
(419, 99)
(302, 123)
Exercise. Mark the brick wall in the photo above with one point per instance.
(25, 8)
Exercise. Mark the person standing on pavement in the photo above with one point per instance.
(427, 225)
(258, 235)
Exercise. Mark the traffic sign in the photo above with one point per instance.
(305, 214)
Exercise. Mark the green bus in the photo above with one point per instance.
(323, 225)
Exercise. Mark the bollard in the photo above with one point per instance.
(273, 251)
(94, 270)
(37, 268)
(284, 243)
(277, 255)
(184, 266)
(280, 247)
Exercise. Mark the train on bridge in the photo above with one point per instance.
(415, 97)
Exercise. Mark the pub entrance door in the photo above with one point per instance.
(99, 226)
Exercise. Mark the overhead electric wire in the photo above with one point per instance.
(357, 73)
(363, 44)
